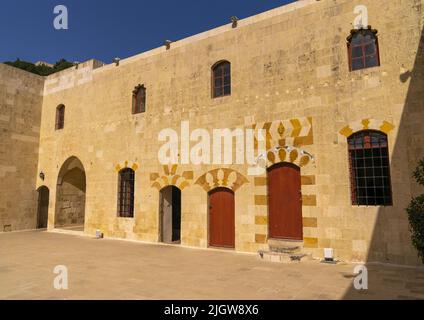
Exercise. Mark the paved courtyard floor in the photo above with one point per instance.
(112, 269)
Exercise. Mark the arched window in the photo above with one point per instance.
(60, 117)
(139, 99)
(369, 169)
(221, 79)
(126, 193)
(363, 49)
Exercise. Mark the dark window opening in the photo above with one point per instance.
(363, 49)
(369, 169)
(221, 79)
(60, 117)
(126, 193)
(139, 99)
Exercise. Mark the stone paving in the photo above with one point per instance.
(114, 269)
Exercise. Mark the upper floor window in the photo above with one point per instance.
(363, 49)
(369, 169)
(139, 99)
(60, 117)
(221, 79)
(126, 193)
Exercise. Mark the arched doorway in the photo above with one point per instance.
(285, 202)
(70, 196)
(43, 207)
(221, 218)
(170, 214)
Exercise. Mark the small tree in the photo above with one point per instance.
(42, 69)
(416, 213)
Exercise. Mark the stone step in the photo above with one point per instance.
(285, 246)
(284, 257)
(284, 249)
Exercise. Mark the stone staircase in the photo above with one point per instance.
(284, 252)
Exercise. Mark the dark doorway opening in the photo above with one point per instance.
(43, 207)
(170, 215)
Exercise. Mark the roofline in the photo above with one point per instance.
(287, 8)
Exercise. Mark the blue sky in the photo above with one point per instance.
(108, 29)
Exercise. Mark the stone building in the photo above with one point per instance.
(341, 105)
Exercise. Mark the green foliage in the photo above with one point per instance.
(62, 65)
(416, 213)
(419, 173)
(41, 70)
(416, 222)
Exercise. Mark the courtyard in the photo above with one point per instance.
(115, 269)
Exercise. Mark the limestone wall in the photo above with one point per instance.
(20, 116)
(290, 75)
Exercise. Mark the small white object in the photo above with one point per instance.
(99, 234)
(329, 254)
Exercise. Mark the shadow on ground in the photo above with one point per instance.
(392, 228)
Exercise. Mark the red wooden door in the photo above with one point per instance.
(221, 218)
(285, 202)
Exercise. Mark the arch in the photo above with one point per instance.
(221, 217)
(284, 202)
(170, 214)
(70, 195)
(287, 154)
(369, 167)
(221, 79)
(170, 176)
(222, 177)
(43, 207)
(362, 45)
(367, 124)
(60, 117)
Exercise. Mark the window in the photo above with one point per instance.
(221, 79)
(369, 169)
(126, 193)
(60, 117)
(139, 99)
(363, 49)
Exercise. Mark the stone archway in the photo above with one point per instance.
(70, 195)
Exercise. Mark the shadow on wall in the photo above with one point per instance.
(391, 240)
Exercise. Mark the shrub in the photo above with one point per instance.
(416, 213)
(41, 70)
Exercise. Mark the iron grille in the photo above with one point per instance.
(370, 169)
(126, 193)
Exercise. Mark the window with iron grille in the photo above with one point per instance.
(139, 99)
(363, 49)
(370, 169)
(221, 79)
(126, 193)
(60, 117)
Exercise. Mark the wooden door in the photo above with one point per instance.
(285, 202)
(221, 218)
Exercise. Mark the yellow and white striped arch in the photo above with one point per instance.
(169, 177)
(367, 124)
(126, 164)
